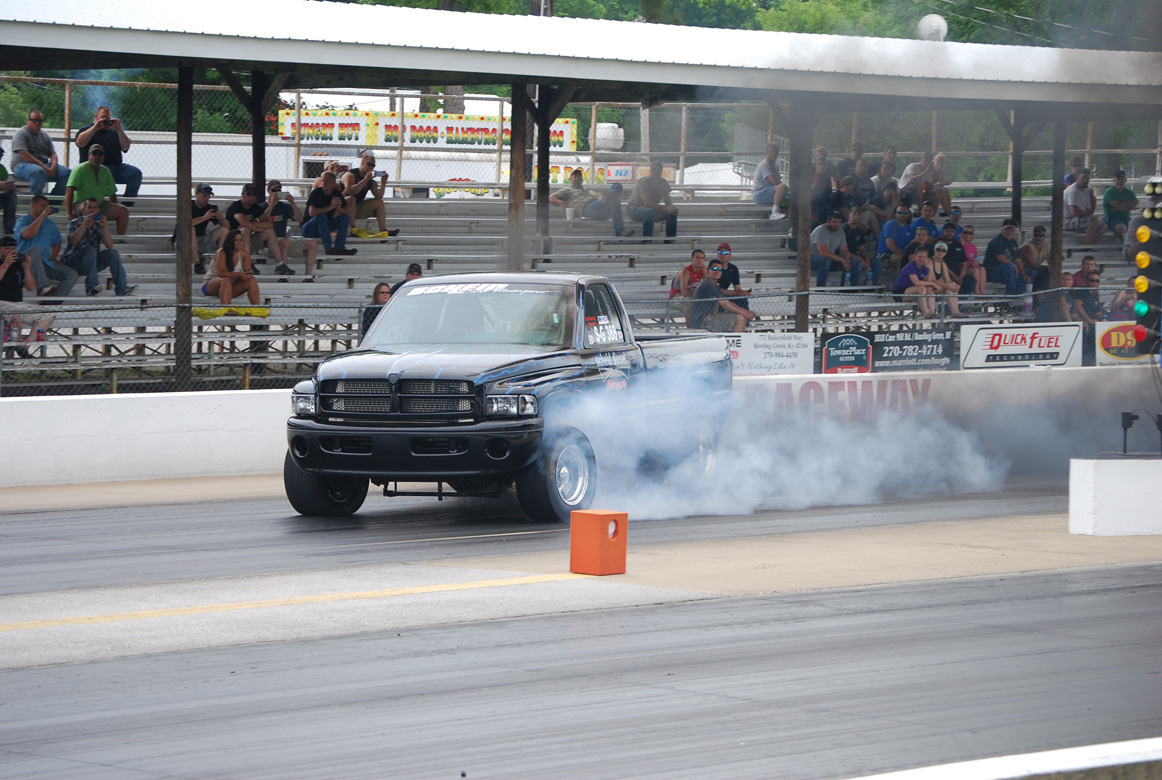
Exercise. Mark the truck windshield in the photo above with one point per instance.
(473, 313)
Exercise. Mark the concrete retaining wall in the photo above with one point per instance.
(1034, 418)
(1115, 496)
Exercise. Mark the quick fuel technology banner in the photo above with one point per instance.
(1011, 346)
(911, 350)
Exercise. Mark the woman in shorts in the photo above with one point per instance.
(231, 273)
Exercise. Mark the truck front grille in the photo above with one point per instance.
(377, 399)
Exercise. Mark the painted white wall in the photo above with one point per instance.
(1115, 496)
(56, 440)
(1035, 418)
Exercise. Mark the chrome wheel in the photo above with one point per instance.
(572, 474)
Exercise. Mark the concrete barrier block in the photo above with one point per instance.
(1115, 496)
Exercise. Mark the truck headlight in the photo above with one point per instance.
(510, 405)
(302, 404)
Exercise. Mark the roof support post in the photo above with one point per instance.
(1021, 133)
(799, 121)
(550, 103)
(516, 178)
(1057, 229)
(183, 327)
(264, 88)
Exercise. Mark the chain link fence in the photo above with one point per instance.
(87, 349)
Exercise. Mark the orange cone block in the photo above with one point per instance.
(597, 542)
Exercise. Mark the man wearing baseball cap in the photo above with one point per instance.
(730, 282)
(94, 180)
(1118, 203)
(209, 226)
(414, 272)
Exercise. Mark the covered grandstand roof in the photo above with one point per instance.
(324, 44)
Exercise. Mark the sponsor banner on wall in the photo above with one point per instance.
(911, 350)
(766, 354)
(1010, 346)
(1116, 345)
(420, 131)
(849, 353)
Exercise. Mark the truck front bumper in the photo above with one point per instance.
(493, 449)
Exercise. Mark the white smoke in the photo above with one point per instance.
(790, 463)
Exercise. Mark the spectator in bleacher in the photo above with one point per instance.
(890, 154)
(107, 131)
(689, 277)
(15, 278)
(731, 282)
(957, 260)
(1122, 306)
(87, 234)
(947, 283)
(38, 163)
(857, 238)
(7, 198)
(93, 180)
(927, 220)
(865, 189)
(829, 253)
(1087, 309)
(588, 205)
(1057, 305)
(712, 310)
(209, 226)
(884, 177)
(1035, 259)
(820, 192)
(846, 166)
(768, 188)
(1075, 164)
(246, 215)
(1088, 266)
(651, 201)
(38, 237)
(844, 199)
(972, 264)
(1002, 260)
(232, 272)
(327, 215)
(414, 271)
(954, 218)
(921, 239)
(281, 208)
(1080, 204)
(883, 206)
(941, 181)
(916, 179)
(357, 184)
(1118, 202)
(913, 284)
(379, 296)
(894, 238)
(822, 156)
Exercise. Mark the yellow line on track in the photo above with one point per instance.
(203, 609)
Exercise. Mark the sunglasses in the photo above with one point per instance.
(898, 213)
(954, 213)
(716, 268)
(724, 253)
(38, 121)
(969, 232)
(277, 189)
(940, 251)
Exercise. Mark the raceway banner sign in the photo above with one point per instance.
(1009, 346)
(419, 131)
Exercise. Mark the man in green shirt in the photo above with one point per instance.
(1117, 202)
(7, 199)
(94, 180)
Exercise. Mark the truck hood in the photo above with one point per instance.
(474, 362)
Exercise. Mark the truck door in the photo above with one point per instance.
(612, 360)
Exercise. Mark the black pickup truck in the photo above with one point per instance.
(479, 381)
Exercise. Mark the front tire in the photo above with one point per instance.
(321, 495)
(562, 481)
